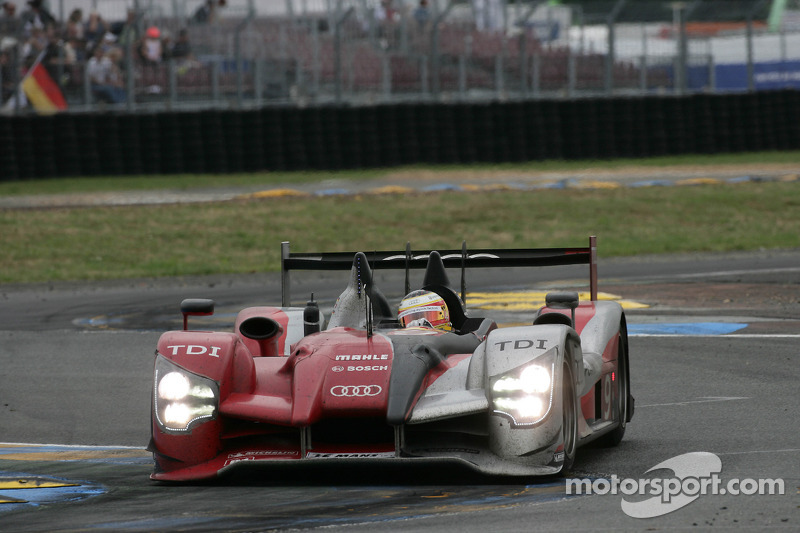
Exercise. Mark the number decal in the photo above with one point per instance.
(607, 392)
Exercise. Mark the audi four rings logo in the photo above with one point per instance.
(356, 390)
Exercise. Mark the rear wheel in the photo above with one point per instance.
(569, 409)
(621, 400)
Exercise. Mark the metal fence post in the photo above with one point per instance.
(435, 59)
(523, 62)
(386, 75)
(643, 73)
(290, 11)
(611, 56)
(424, 75)
(299, 76)
(679, 21)
(239, 60)
(130, 76)
(523, 46)
(258, 81)
(316, 66)
(337, 53)
(751, 82)
(87, 87)
(462, 76)
(712, 74)
(215, 66)
(643, 61)
(173, 83)
(499, 85)
(351, 71)
(571, 74)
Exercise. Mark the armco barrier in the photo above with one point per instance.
(331, 138)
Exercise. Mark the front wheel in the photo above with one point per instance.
(622, 404)
(569, 408)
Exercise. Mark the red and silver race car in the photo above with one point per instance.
(280, 388)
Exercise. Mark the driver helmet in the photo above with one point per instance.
(424, 309)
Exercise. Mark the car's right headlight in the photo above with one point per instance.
(525, 394)
(182, 399)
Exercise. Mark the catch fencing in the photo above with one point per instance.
(364, 52)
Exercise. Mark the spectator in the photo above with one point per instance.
(422, 15)
(105, 76)
(166, 45)
(151, 49)
(9, 23)
(7, 73)
(55, 59)
(94, 29)
(127, 32)
(385, 12)
(116, 76)
(75, 27)
(181, 53)
(74, 34)
(182, 49)
(207, 12)
(108, 42)
(36, 42)
(9, 10)
(386, 16)
(74, 51)
(420, 28)
(37, 17)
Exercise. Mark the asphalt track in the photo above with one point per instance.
(714, 363)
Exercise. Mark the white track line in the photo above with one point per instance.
(87, 446)
(787, 450)
(709, 399)
(739, 272)
(721, 335)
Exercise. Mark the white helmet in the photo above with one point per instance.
(424, 308)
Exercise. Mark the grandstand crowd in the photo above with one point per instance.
(92, 60)
(221, 54)
(85, 49)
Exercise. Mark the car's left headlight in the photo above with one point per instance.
(524, 394)
(182, 399)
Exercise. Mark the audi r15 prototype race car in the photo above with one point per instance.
(373, 386)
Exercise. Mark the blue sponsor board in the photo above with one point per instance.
(767, 75)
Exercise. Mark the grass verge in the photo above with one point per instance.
(244, 236)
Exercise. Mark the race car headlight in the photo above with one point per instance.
(525, 394)
(533, 378)
(182, 399)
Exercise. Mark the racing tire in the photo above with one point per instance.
(622, 403)
(569, 410)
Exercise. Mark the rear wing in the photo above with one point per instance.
(409, 259)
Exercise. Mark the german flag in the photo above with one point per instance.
(42, 91)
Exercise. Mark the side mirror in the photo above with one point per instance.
(195, 307)
(563, 300)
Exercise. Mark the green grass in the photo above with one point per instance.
(243, 236)
(187, 181)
